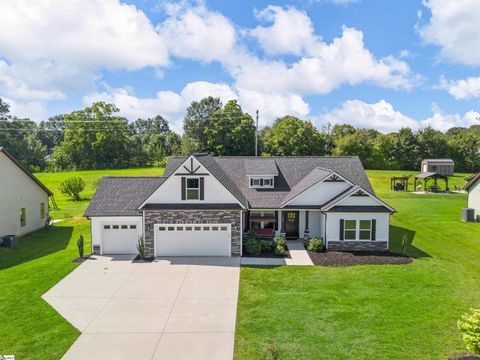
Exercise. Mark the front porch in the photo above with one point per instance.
(293, 224)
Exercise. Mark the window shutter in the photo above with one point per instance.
(342, 225)
(184, 185)
(276, 220)
(374, 229)
(202, 187)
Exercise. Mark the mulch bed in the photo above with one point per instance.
(349, 258)
(464, 356)
(269, 255)
(138, 259)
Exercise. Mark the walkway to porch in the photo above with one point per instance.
(299, 257)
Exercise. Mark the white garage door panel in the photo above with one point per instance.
(193, 240)
(118, 240)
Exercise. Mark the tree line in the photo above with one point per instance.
(97, 138)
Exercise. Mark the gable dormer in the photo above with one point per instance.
(261, 173)
(196, 180)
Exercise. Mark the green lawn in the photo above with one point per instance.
(361, 312)
(371, 312)
(29, 327)
(67, 208)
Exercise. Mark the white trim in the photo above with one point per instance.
(352, 191)
(316, 183)
(228, 225)
(241, 235)
(172, 176)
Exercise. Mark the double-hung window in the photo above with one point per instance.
(350, 230)
(193, 188)
(365, 230)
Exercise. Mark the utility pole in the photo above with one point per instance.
(256, 135)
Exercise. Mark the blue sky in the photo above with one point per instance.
(381, 64)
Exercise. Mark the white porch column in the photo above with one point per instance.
(279, 231)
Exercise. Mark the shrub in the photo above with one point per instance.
(80, 243)
(280, 241)
(253, 247)
(252, 235)
(315, 244)
(469, 326)
(279, 250)
(266, 246)
(141, 248)
(72, 187)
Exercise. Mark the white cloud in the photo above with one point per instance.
(169, 104)
(197, 33)
(290, 33)
(454, 26)
(33, 110)
(383, 117)
(327, 66)
(462, 89)
(271, 105)
(53, 47)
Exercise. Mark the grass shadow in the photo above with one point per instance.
(397, 234)
(36, 245)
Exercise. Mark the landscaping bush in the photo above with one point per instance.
(266, 246)
(469, 326)
(80, 244)
(72, 187)
(315, 244)
(280, 241)
(279, 250)
(253, 247)
(141, 248)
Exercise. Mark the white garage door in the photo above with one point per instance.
(193, 239)
(120, 238)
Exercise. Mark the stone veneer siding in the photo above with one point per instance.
(357, 245)
(192, 217)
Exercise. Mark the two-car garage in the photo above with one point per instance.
(119, 235)
(192, 239)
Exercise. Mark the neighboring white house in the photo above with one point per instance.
(205, 206)
(23, 198)
(473, 189)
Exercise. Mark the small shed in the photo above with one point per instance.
(443, 167)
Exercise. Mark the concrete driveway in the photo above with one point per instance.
(172, 308)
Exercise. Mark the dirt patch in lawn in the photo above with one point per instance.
(349, 258)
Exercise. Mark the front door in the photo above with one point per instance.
(290, 219)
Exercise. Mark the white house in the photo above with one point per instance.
(206, 205)
(23, 198)
(473, 189)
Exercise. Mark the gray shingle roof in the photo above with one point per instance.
(307, 182)
(291, 171)
(121, 196)
(212, 166)
(262, 166)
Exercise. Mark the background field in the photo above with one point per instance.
(360, 312)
